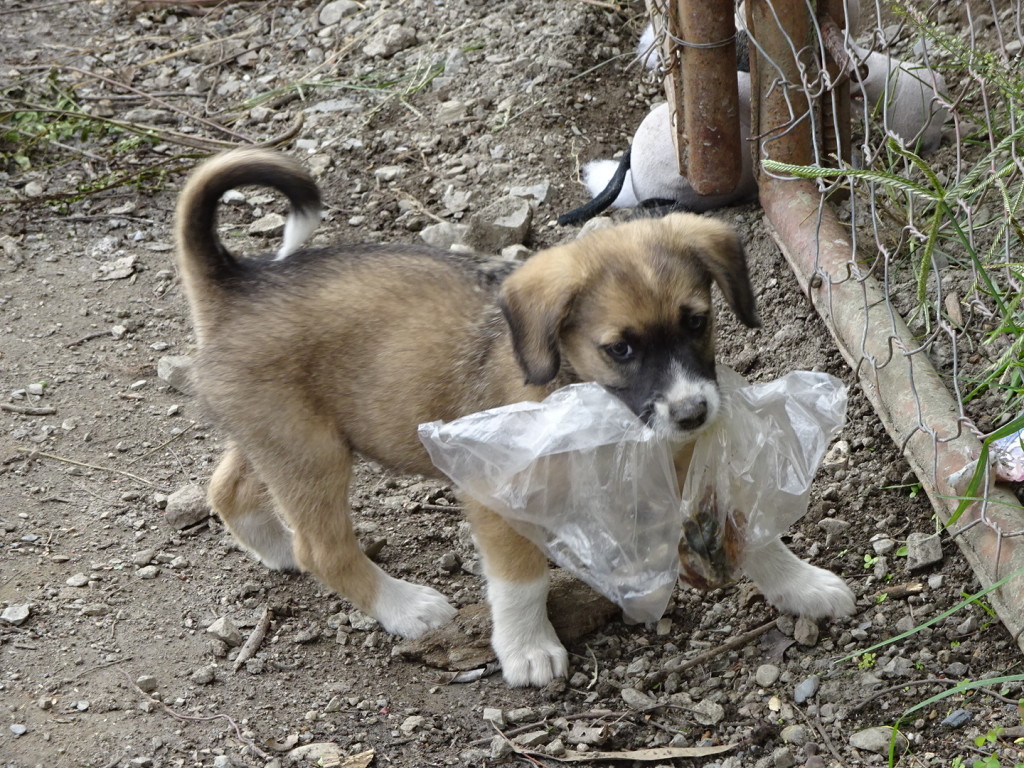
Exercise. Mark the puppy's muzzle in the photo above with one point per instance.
(689, 414)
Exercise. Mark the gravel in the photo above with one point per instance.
(464, 131)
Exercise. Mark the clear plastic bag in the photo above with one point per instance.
(580, 476)
(583, 478)
(751, 472)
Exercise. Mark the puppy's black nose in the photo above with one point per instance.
(690, 413)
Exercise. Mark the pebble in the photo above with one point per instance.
(806, 689)
(635, 699)
(224, 629)
(500, 748)
(766, 675)
(146, 683)
(877, 740)
(805, 631)
(412, 724)
(18, 729)
(521, 715)
(16, 614)
(923, 549)
(144, 557)
(270, 224)
(495, 716)
(504, 222)
(149, 572)
(782, 757)
(532, 739)
(958, 718)
(186, 506)
(78, 580)
(204, 675)
(359, 620)
(707, 712)
(794, 734)
(388, 173)
(337, 10)
(389, 41)
(176, 370)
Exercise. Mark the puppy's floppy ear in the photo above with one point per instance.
(536, 299)
(719, 249)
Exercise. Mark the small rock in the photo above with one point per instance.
(176, 370)
(450, 111)
(556, 748)
(923, 549)
(935, 581)
(144, 557)
(537, 192)
(224, 629)
(707, 712)
(78, 580)
(958, 718)
(146, 683)
(443, 235)
(117, 269)
(337, 10)
(877, 740)
(204, 675)
(794, 734)
(359, 620)
(838, 456)
(271, 224)
(883, 545)
(34, 189)
(388, 173)
(783, 758)
(495, 716)
(186, 506)
(149, 572)
(500, 748)
(412, 724)
(635, 699)
(521, 715)
(16, 614)
(532, 739)
(390, 40)
(18, 729)
(504, 222)
(766, 675)
(805, 631)
(806, 689)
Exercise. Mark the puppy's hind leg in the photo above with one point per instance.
(795, 586)
(310, 486)
(517, 590)
(242, 501)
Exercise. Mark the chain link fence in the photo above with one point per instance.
(889, 161)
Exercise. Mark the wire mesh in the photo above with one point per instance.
(911, 116)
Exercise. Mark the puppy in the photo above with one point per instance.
(323, 354)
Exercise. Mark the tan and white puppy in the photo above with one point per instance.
(322, 354)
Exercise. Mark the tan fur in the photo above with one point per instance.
(326, 355)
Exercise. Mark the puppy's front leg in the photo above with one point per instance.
(795, 586)
(517, 590)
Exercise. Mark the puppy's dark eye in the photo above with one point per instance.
(696, 323)
(620, 351)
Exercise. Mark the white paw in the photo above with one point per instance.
(408, 609)
(527, 646)
(794, 586)
(818, 594)
(534, 660)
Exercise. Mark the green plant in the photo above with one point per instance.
(870, 560)
(866, 661)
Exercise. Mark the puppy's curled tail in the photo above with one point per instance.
(205, 264)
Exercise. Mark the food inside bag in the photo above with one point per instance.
(751, 471)
(585, 480)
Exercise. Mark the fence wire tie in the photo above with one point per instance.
(701, 46)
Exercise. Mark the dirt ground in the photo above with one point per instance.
(410, 114)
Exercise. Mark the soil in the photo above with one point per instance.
(114, 664)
